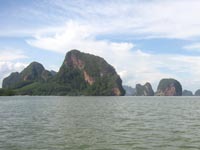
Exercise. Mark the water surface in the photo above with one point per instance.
(99, 123)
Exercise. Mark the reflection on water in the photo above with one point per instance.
(99, 123)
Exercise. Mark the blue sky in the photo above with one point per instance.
(144, 40)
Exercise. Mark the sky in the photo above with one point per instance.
(145, 40)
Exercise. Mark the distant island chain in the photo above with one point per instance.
(82, 74)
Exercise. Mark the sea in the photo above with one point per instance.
(99, 123)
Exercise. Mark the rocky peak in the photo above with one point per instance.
(92, 69)
(129, 90)
(197, 93)
(33, 72)
(169, 87)
(73, 59)
(187, 93)
(13, 78)
(144, 90)
(80, 74)
(53, 73)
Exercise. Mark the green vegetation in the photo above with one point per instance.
(6, 92)
(80, 74)
(35, 72)
(102, 87)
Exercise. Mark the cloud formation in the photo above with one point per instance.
(92, 26)
(192, 47)
(150, 19)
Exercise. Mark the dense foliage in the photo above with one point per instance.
(70, 80)
(6, 92)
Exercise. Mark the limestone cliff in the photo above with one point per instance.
(129, 90)
(80, 74)
(169, 87)
(32, 73)
(144, 90)
(187, 93)
(90, 73)
(197, 93)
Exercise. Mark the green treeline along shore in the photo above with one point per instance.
(82, 74)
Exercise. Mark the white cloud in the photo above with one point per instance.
(86, 21)
(77, 36)
(153, 19)
(10, 55)
(141, 67)
(193, 47)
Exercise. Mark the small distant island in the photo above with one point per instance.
(82, 74)
(166, 87)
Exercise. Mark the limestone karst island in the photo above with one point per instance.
(82, 74)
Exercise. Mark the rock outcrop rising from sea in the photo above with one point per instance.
(80, 74)
(187, 93)
(35, 72)
(169, 87)
(129, 90)
(92, 73)
(144, 90)
(197, 93)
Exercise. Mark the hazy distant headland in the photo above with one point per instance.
(82, 74)
(166, 87)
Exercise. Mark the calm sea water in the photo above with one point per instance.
(99, 123)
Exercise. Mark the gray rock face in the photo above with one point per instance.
(197, 93)
(129, 91)
(53, 73)
(99, 76)
(10, 80)
(169, 87)
(187, 93)
(144, 90)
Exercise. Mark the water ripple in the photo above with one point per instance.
(99, 123)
